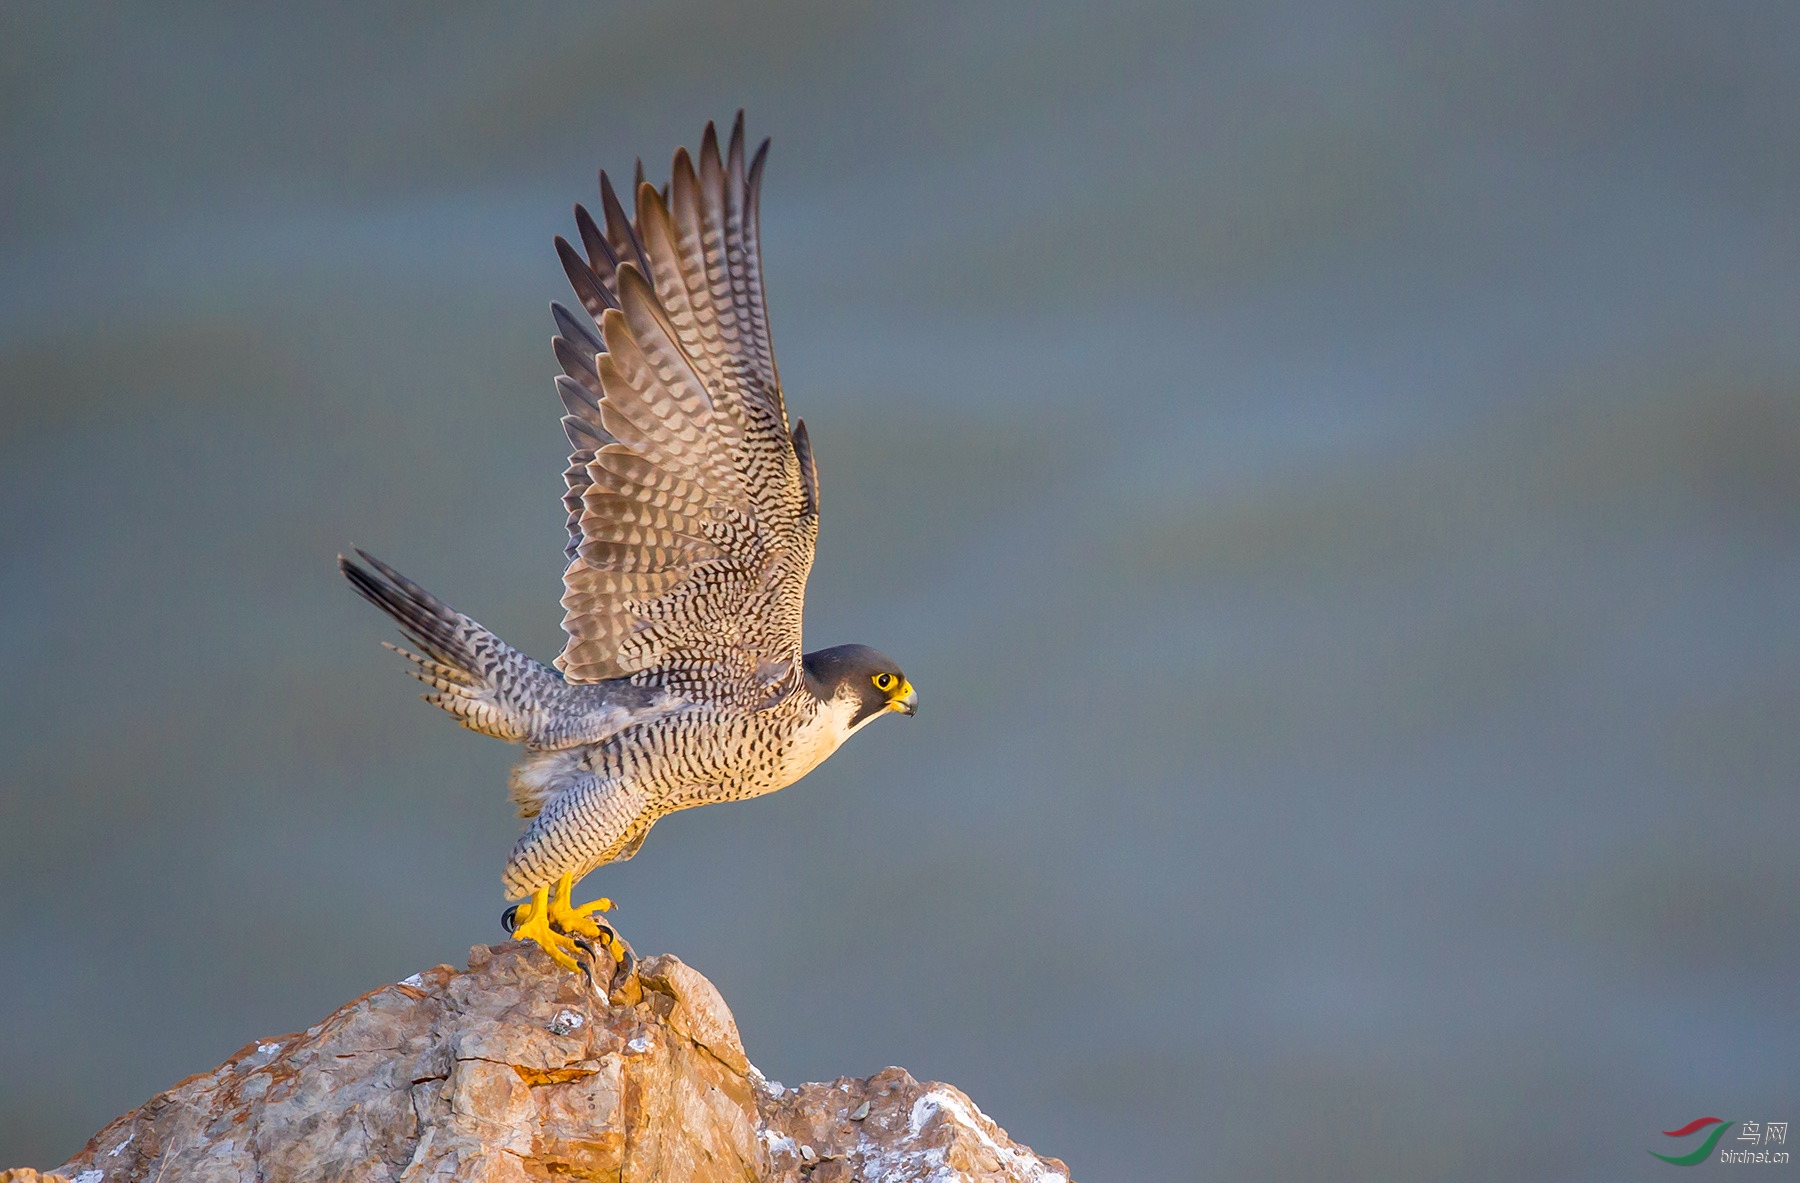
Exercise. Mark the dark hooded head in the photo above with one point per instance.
(868, 674)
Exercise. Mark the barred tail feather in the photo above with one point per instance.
(466, 666)
(488, 685)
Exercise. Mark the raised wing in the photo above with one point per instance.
(692, 509)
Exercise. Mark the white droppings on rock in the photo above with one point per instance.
(779, 1143)
(117, 1150)
(965, 1114)
(416, 981)
(267, 1049)
(639, 1046)
(90, 1177)
(925, 1166)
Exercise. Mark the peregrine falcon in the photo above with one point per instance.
(692, 515)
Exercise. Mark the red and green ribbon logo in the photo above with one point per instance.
(1706, 1147)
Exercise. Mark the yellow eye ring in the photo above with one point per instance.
(884, 681)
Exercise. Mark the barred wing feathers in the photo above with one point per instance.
(692, 508)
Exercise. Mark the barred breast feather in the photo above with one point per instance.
(595, 805)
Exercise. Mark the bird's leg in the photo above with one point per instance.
(579, 921)
(531, 922)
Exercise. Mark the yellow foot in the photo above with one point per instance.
(579, 921)
(531, 922)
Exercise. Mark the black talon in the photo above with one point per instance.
(508, 917)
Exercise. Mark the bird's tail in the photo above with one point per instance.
(480, 679)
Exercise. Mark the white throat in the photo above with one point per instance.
(823, 735)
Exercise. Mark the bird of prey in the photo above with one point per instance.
(692, 515)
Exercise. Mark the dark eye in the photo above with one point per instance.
(884, 681)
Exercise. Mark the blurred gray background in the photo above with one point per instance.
(1332, 471)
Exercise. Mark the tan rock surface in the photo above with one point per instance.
(517, 1070)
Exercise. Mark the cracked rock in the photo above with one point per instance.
(517, 1070)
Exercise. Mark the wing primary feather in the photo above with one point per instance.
(809, 472)
(578, 333)
(601, 256)
(577, 365)
(578, 400)
(756, 168)
(681, 195)
(752, 231)
(734, 156)
(618, 226)
(592, 292)
(709, 143)
(639, 180)
(582, 435)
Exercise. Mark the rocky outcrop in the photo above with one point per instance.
(517, 1070)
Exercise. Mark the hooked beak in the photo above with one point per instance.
(905, 699)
